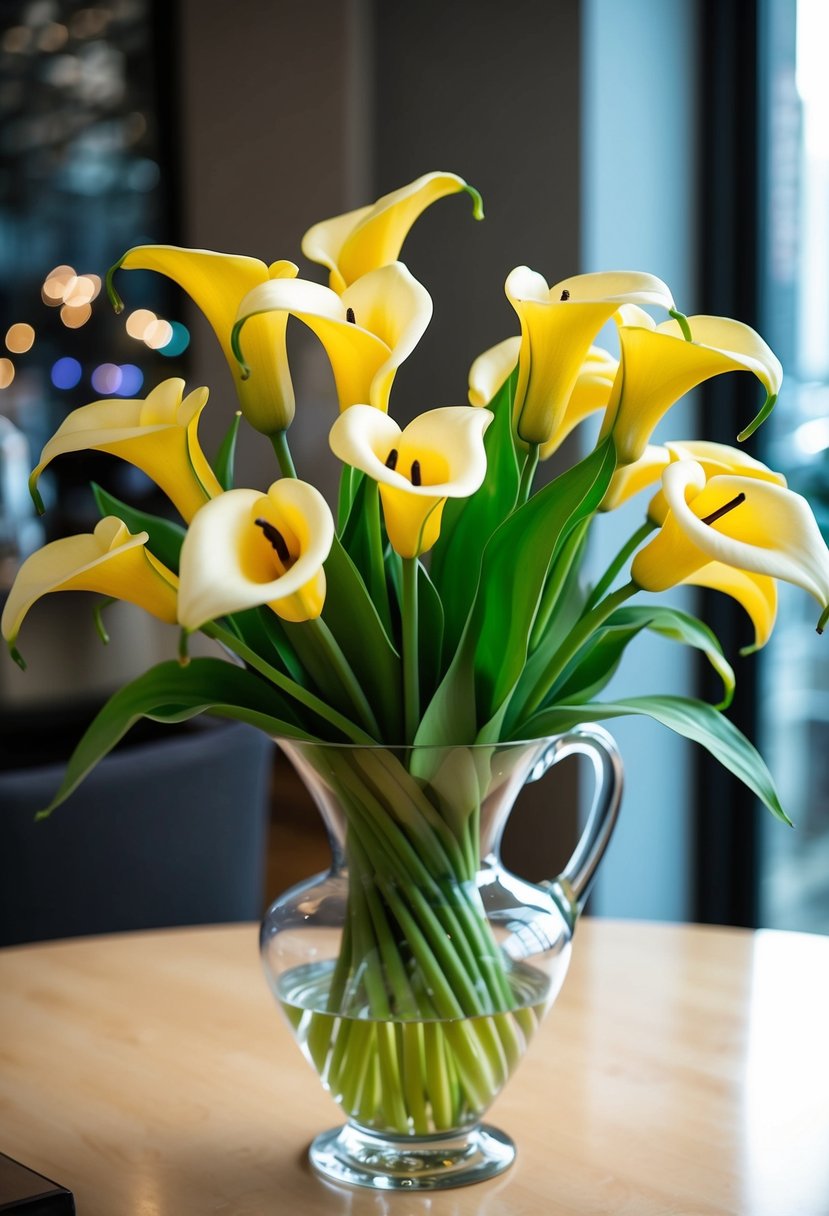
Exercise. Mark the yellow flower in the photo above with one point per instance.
(351, 245)
(367, 332)
(217, 282)
(109, 560)
(246, 548)
(558, 325)
(714, 457)
(157, 435)
(658, 366)
(437, 456)
(749, 524)
(590, 393)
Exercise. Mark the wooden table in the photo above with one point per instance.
(682, 1071)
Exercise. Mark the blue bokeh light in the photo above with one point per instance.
(132, 378)
(66, 372)
(179, 341)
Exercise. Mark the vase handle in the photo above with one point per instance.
(573, 884)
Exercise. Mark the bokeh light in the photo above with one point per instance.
(138, 322)
(52, 37)
(158, 334)
(132, 379)
(107, 378)
(66, 372)
(55, 285)
(83, 291)
(6, 372)
(74, 318)
(179, 340)
(20, 338)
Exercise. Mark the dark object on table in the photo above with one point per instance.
(30, 1194)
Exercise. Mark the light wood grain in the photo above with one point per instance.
(682, 1072)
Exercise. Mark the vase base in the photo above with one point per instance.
(424, 1163)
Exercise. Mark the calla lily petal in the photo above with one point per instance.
(591, 393)
(757, 593)
(353, 244)
(391, 311)
(489, 371)
(558, 325)
(109, 560)
(631, 478)
(770, 531)
(229, 562)
(216, 282)
(157, 435)
(439, 455)
(659, 366)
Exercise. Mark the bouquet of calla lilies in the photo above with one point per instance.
(443, 601)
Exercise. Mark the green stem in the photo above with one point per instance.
(377, 569)
(682, 322)
(629, 547)
(411, 670)
(573, 644)
(345, 674)
(528, 473)
(289, 686)
(279, 439)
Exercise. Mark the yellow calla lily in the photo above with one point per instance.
(351, 245)
(246, 548)
(491, 369)
(747, 523)
(757, 593)
(110, 560)
(658, 366)
(439, 455)
(714, 457)
(558, 325)
(158, 435)
(217, 282)
(367, 332)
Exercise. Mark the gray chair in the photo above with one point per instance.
(171, 832)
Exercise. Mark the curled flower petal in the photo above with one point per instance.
(489, 371)
(246, 548)
(367, 332)
(748, 523)
(217, 282)
(558, 325)
(351, 245)
(158, 435)
(757, 593)
(659, 366)
(439, 455)
(109, 560)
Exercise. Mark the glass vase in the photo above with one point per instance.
(415, 973)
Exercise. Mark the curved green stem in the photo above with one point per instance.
(289, 686)
(573, 644)
(628, 548)
(570, 552)
(527, 474)
(682, 322)
(345, 674)
(411, 670)
(279, 439)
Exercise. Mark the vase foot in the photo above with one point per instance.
(416, 1163)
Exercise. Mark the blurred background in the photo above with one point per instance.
(689, 138)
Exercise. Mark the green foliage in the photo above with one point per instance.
(226, 456)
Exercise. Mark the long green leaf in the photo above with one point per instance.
(493, 649)
(681, 627)
(692, 719)
(226, 456)
(469, 522)
(165, 537)
(170, 692)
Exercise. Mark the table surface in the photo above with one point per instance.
(683, 1071)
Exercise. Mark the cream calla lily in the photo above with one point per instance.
(158, 435)
(367, 332)
(109, 560)
(491, 369)
(744, 522)
(439, 455)
(715, 458)
(246, 548)
(351, 245)
(558, 325)
(659, 366)
(217, 282)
